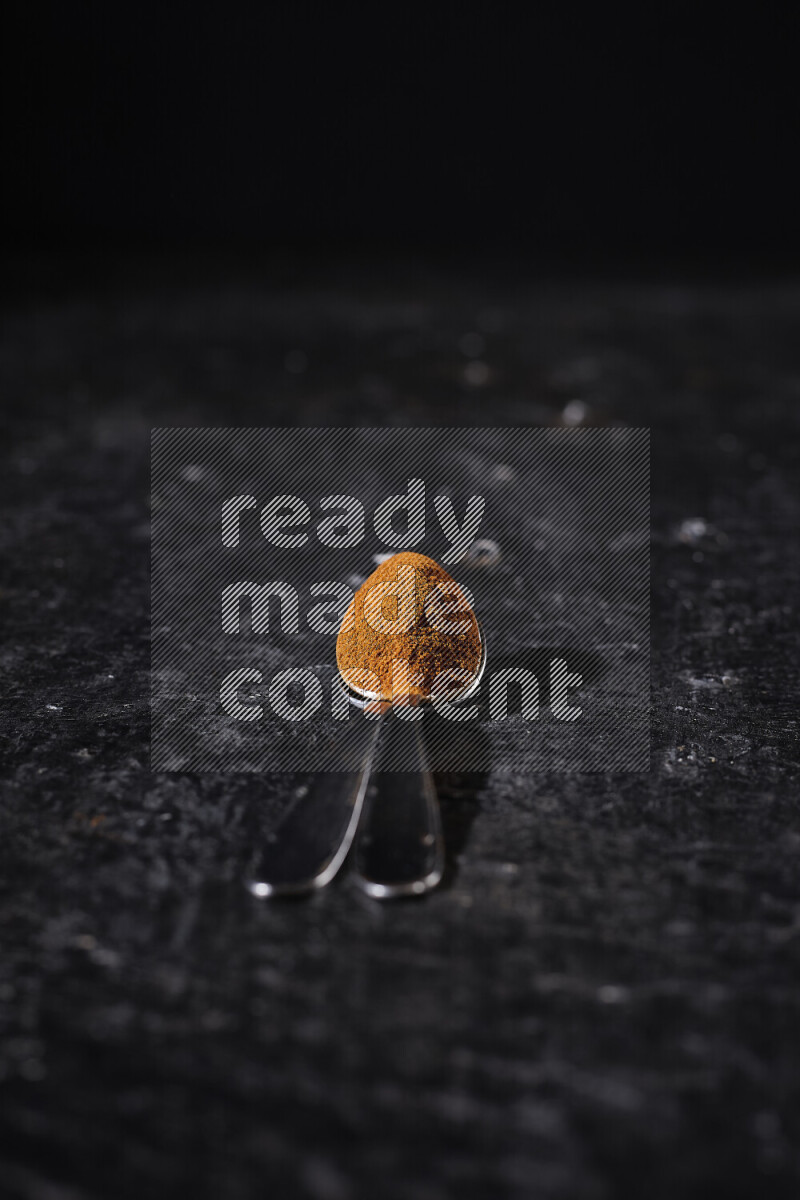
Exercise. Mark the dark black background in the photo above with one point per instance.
(241, 217)
(560, 135)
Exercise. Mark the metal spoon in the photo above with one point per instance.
(401, 851)
(309, 846)
(399, 847)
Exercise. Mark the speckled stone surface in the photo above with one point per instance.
(604, 999)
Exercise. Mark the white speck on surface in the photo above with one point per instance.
(692, 530)
(704, 683)
(483, 552)
(193, 473)
(610, 993)
(575, 412)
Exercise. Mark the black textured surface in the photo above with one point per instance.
(604, 999)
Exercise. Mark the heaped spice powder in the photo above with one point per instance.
(410, 611)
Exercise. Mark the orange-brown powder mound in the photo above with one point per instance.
(427, 650)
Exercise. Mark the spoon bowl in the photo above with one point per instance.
(362, 698)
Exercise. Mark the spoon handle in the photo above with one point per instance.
(311, 843)
(400, 848)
